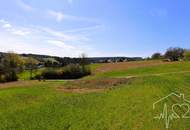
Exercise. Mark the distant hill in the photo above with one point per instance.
(90, 59)
(66, 60)
(113, 59)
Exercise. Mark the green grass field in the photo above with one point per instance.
(25, 75)
(41, 106)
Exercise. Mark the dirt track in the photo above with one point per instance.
(18, 84)
(107, 67)
(81, 90)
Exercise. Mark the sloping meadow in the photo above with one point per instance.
(125, 103)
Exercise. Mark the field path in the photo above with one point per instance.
(158, 74)
(108, 67)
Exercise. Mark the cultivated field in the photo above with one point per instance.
(116, 97)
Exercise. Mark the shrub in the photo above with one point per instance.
(2, 79)
(174, 54)
(8, 77)
(186, 55)
(72, 71)
(157, 56)
(38, 77)
(12, 76)
(51, 74)
(10, 65)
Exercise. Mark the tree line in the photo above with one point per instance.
(173, 54)
(12, 64)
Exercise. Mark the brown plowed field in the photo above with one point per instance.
(107, 67)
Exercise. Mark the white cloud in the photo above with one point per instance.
(49, 47)
(61, 44)
(7, 25)
(60, 16)
(68, 50)
(45, 40)
(57, 48)
(41, 40)
(64, 36)
(24, 5)
(2, 21)
(70, 1)
(57, 15)
(86, 29)
(21, 31)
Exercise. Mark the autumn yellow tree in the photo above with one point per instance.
(31, 64)
(186, 55)
(11, 64)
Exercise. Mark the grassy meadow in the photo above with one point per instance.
(33, 105)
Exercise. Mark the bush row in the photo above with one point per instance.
(8, 77)
(72, 71)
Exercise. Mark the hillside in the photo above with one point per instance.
(124, 103)
(66, 60)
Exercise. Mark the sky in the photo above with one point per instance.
(98, 28)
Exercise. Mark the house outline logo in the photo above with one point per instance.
(174, 114)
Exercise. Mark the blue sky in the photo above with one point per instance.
(94, 27)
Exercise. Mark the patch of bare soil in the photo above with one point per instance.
(95, 85)
(80, 90)
(17, 84)
(107, 67)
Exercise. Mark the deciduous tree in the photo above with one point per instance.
(174, 54)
